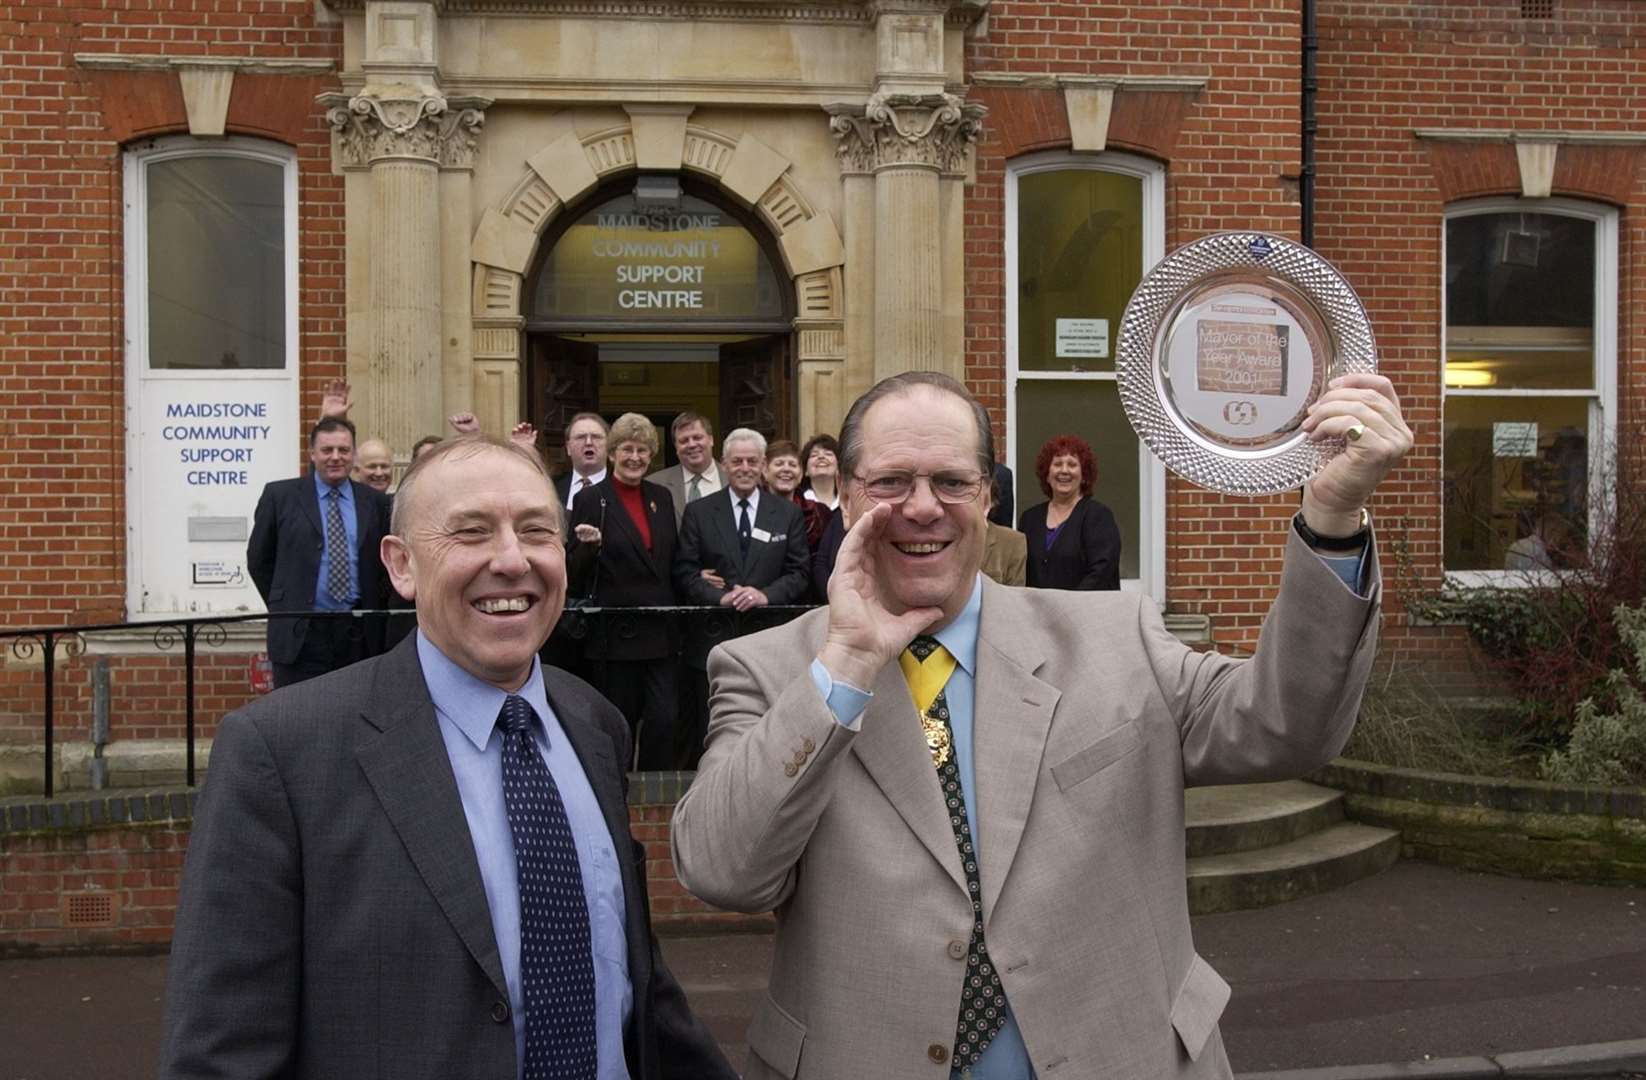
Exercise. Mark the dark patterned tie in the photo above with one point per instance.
(982, 999)
(744, 533)
(556, 959)
(337, 549)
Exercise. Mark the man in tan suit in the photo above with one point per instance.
(965, 802)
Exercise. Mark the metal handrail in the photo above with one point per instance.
(210, 629)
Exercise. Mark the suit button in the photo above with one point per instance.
(500, 1012)
(957, 950)
(790, 768)
(938, 1053)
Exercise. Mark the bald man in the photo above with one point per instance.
(374, 465)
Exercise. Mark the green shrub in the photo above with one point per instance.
(1609, 747)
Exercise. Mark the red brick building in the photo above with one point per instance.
(210, 208)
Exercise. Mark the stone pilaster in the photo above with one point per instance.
(908, 142)
(404, 139)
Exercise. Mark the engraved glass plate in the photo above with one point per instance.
(1224, 346)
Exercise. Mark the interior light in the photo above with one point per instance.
(1460, 376)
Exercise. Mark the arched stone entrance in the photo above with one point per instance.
(659, 139)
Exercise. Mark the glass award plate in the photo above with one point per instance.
(1223, 348)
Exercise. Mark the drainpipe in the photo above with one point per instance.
(1306, 179)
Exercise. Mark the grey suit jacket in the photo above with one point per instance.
(1090, 719)
(332, 921)
(674, 479)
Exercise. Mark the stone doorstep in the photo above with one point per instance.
(1246, 817)
(1593, 1061)
(131, 763)
(1311, 864)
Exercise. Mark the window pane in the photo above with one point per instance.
(1091, 410)
(1079, 256)
(1516, 475)
(1520, 301)
(217, 264)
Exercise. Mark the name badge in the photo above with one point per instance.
(761, 535)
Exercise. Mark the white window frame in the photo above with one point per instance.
(1602, 398)
(1151, 563)
(137, 159)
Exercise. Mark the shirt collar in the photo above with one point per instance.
(345, 490)
(471, 704)
(960, 636)
(753, 497)
(593, 478)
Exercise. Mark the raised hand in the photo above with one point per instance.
(864, 635)
(464, 423)
(1364, 411)
(335, 400)
(524, 434)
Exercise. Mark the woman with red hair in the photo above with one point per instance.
(1074, 542)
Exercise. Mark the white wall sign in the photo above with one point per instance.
(1083, 338)
(1513, 439)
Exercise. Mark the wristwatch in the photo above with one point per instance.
(1353, 542)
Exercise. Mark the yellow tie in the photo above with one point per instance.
(927, 677)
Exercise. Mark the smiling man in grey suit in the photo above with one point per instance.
(965, 801)
(421, 866)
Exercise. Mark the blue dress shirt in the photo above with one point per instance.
(351, 532)
(467, 709)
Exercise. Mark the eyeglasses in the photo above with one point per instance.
(895, 487)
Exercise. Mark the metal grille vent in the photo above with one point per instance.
(88, 909)
(1537, 9)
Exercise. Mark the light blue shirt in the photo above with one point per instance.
(467, 709)
(351, 533)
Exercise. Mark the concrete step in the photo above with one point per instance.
(1245, 817)
(1315, 863)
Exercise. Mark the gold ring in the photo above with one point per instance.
(1355, 432)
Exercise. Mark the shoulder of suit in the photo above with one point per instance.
(574, 694)
(798, 638)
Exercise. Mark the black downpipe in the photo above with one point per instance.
(1306, 178)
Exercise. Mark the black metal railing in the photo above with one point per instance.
(699, 628)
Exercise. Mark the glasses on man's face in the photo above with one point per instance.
(894, 487)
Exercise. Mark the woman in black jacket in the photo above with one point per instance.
(1074, 542)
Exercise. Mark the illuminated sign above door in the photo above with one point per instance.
(623, 262)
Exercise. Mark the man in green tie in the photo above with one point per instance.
(964, 802)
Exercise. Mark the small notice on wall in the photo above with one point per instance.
(1514, 439)
(219, 573)
(1083, 338)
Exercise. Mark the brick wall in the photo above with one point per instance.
(62, 455)
(125, 853)
(1232, 152)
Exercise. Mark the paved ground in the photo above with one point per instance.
(1419, 961)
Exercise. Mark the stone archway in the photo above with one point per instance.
(659, 138)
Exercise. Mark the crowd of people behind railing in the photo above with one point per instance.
(759, 527)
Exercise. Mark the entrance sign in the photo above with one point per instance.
(623, 262)
(1083, 338)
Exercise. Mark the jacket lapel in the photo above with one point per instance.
(618, 516)
(410, 773)
(1012, 718)
(894, 752)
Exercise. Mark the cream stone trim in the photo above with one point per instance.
(564, 167)
(551, 89)
(1047, 80)
(1537, 168)
(251, 65)
(659, 135)
(812, 245)
(896, 130)
(817, 11)
(206, 97)
(1089, 109)
(753, 169)
(367, 128)
(1510, 135)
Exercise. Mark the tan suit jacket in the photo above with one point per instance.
(1006, 556)
(1091, 718)
(674, 480)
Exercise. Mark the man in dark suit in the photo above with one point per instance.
(421, 866)
(586, 447)
(313, 547)
(741, 549)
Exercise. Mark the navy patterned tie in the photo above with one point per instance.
(556, 960)
(744, 533)
(337, 549)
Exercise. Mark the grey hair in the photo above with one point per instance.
(742, 434)
(851, 430)
(464, 446)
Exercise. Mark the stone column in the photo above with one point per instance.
(907, 141)
(403, 141)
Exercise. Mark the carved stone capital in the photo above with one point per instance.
(372, 127)
(895, 129)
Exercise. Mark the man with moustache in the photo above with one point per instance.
(313, 547)
(964, 802)
(586, 447)
(697, 474)
(421, 866)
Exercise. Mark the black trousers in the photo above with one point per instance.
(328, 644)
(644, 692)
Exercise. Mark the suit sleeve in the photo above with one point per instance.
(688, 563)
(264, 543)
(1017, 559)
(1100, 548)
(1287, 709)
(790, 587)
(232, 992)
